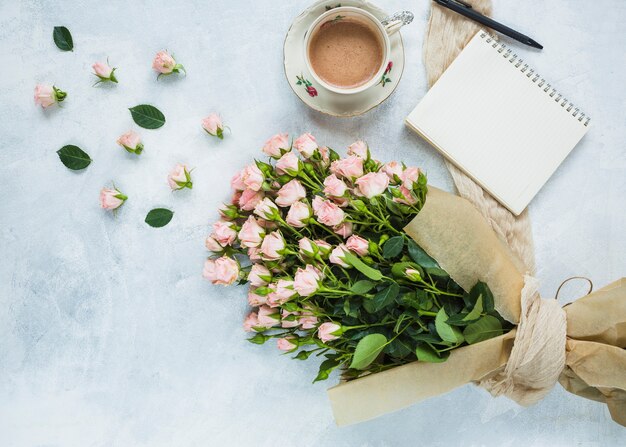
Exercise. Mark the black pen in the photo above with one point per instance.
(465, 9)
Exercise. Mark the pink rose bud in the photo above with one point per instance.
(164, 64)
(360, 149)
(329, 332)
(406, 196)
(228, 212)
(288, 319)
(337, 256)
(237, 182)
(413, 274)
(291, 192)
(276, 145)
(224, 233)
(358, 245)
(111, 199)
(307, 320)
(287, 344)
(47, 95)
(212, 245)
(324, 247)
(255, 300)
(251, 233)
(131, 141)
(250, 199)
(307, 281)
(104, 72)
(409, 177)
(266, 209)
(327, 212)
(273, 246)
(393, 169)
(254, 254)
(268, 317)
(350, 167)
(298, 215)
(180, 177)
(288, 164)
(344, 230)
(213, 125)
(325, 155)
(373, 184)
(306, 145)
(253, 178)
(259, 275)
(307, 248)
(222, 270)
(251, 321)
(334, 187)
(283, 292)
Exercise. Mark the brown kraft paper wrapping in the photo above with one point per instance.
(451, 231)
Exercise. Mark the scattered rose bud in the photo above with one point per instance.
(277, 145)
(329, 331)
(213, 125)
(306, 145)
(180, 178)
(131, 141)
(104, 72)
(111, 199)
(360, 149)
(46, 95)
(164, 64)
(287, 344)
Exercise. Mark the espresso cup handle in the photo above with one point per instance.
(394, 22)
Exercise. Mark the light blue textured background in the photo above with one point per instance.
(108, 334)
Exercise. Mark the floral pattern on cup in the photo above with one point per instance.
(307, 86)
(385, 79)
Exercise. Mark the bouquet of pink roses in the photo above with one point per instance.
(331, 272)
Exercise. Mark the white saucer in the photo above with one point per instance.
(316, 96)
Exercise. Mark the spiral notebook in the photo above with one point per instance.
(499, 121)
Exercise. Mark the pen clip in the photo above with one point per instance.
(462, 3)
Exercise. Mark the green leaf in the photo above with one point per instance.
(425, 353)
(362, 286)
(371, 273)
(481, 289)
(484, 329)
(74, 157)
(147, 116)
(326, 367)
(420, 256)
(367, 350)
(399, 268)
(447, 333)
(382, 299)
(303, 355)
(393, 247)
(259, 339)
(63, 38)
(159, 217)
(476, 311)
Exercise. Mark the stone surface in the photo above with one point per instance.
(108, 334)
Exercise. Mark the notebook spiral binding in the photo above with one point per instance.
(536, 78)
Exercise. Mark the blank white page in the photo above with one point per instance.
(499, 122)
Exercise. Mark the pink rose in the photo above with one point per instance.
(291, 192)
(164, 64)
(255, 300)
(254, 254)
(307, 320)
(307, 281)
(327, 212)
(413, 274)
(212, 245)
(259, 275)
(307, 247)
(237, 182)
(329, 331)
(298, 215)
(213, 125)
(324, 155)
(344, 230)
(323, 247)
(409, 177)
(288, 164)
(251, 321)
(224, 233)
(251, 233)
(111, 199)
(335, 187)
(350, 167)
(358, 245)
(393, 169)
(286, 344)
(272, 246)
(305, 144)
(104, 72)
(408, 198)
(179, 177)
(359, 148)
(252, 177)
(131, 141)
(282, 293)
(338, 254)
(46, 95)
(267, 224)
(373, 184)
(276, 145)
(250, 199)
(268, 317)
(288, 319)
(222, 270)
(266, 209)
